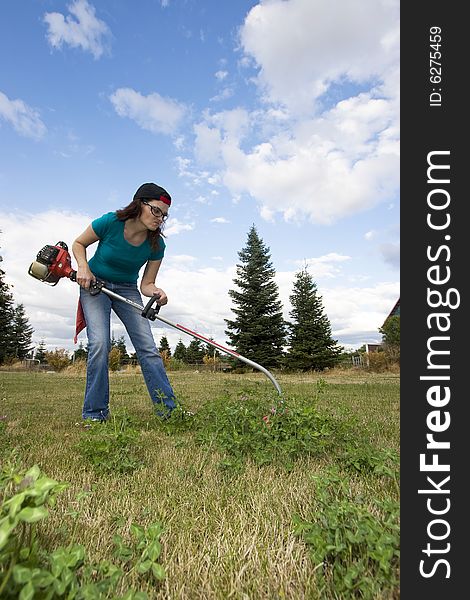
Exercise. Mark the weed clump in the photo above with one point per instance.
(356, 552)
(112, 446)
(255, 426)
(28, 570)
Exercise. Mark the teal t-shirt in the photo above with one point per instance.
(115, 259)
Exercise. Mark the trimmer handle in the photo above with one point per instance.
(149, 312)
(95, 286)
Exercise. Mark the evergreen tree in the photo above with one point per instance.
(6, 320)
(211, 351)
(164, 346)
(180, 352)
(120, 344)
(311, 344)
(22, 333)
(80, 353)
(195, 353)
(40, 352)
(15, 330)
(258, 331)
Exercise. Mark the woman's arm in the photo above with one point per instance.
(79, 246)
(147, 285)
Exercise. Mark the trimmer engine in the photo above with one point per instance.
(52, 263)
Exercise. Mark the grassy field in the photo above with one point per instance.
(256, 499)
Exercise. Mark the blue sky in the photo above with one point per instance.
(279, 113)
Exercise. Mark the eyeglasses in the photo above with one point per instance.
(156, 212)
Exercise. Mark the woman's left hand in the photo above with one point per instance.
(162, 297)
(155, 291)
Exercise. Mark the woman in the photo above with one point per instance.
(127, 239)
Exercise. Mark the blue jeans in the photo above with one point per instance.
(97, 311)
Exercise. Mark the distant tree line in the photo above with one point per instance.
(195, 353)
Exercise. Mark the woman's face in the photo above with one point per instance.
(154, 213)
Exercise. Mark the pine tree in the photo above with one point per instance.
(195, 353)
(22, 333)
(40, 352)
(80, 353)
(121, 346)
(258, 332)
(7, 312)
(211, 351)
(164, 346)
(180, 352)
(311, 344)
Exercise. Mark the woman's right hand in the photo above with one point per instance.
(85, 277)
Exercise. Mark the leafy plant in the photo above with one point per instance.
(254, 426)
(365, 459)
(25, 497)
(147, 548)
(356, 549)
(112, 446)
(28, 570)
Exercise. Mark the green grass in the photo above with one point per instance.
(243, 502)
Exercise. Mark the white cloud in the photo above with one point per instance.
(357, 313)
(207, 146)
(322, 168)
(24, 119)
(323, 266)
(180, 260)
(221, 75)
(80, 29)
(302, 46)
(153, 113)
(219, 220)
(196, 177)
(311, 181)
(174, 226)
(391, 254)
(226, 93)
(389, 250)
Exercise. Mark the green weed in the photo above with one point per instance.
(354, 547)
(28, 570)
(259, 427)
(365, 459)
(112, 446)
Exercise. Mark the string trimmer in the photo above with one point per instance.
(53, 263)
